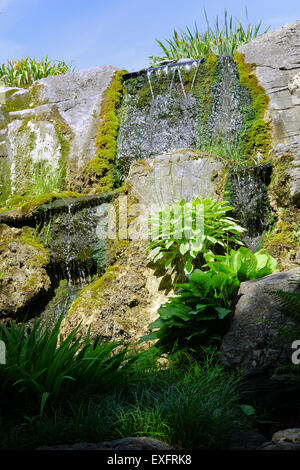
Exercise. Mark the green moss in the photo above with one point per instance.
(26, 204)
(256, 136)
(207, 77)
(92, 294)
(100, 173)
(283, 240)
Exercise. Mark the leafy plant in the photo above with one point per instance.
(243, 264)
(24, 72)
(198, 315)
(218, 40)
(183, 232)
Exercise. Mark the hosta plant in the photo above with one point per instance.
(182, 233)
(198, 315)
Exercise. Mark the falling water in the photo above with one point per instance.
(68, 245)
(149, 80)
(180, 78)
(250, 201)
(194, 77)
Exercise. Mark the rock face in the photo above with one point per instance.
(182, 174)
(287, 439)
(253, 342)
(51, 126)
(122, 303)
(277, 58)
(23, 263)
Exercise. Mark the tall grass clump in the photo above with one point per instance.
(23, 72)
(42, 365)
(184, 404)
(220, 40)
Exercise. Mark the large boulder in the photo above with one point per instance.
(181, 174)
(254, 343)
(24, 282)
(276, 55)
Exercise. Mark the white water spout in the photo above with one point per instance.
(149, 80)
(180, 78)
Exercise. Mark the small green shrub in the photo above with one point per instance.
(22, 73)
(183, 232)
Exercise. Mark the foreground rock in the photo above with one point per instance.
(128, 443)
(287, 439)
(276, 55)
(24, 282)
(253, 342)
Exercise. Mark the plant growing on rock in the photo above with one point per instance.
(22, 73)
(183, 232)
(218, 40)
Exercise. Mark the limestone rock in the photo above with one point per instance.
(23, 263)
(127, 443)
(253, 342)
(52, 123)
(122, 303)
(181, 174)
(287, 439)
(277, 58)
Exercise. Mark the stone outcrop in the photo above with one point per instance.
(122, 303)
(24, 280)
(181, 174)
(254, 343)
(276, 55)
(52, 124)
(287, 439)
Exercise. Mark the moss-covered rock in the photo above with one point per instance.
(121, 303)
(23, 264)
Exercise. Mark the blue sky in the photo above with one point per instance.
(116, 32)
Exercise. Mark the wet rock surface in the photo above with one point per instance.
(277, 58)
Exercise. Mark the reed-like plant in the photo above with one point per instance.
(41, 364)
(23, 72)
(219, 40)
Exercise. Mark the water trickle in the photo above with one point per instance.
(195, 74)
(68, 244)
(181, 82)
(150, 85)
(172, 80)
(248, 188)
